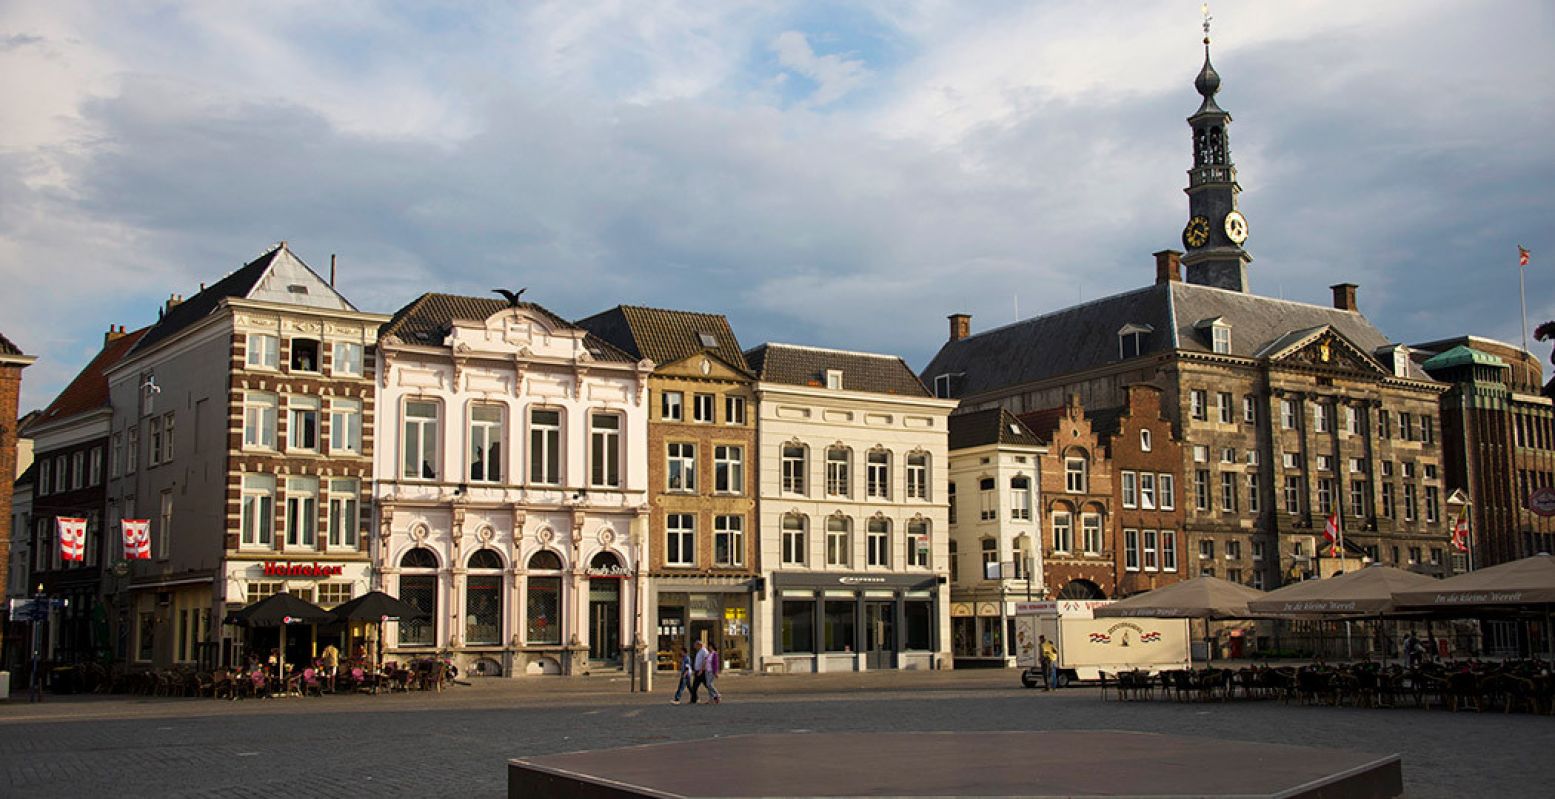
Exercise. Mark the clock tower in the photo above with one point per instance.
(1216, 230)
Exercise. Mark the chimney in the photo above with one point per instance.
(115, 332)
(960, 326)
(1344, 296)
(331, 270)
(1168, 267)
(173, 301)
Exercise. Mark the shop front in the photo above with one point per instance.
(323, 583)
(979, 632)
(717, 614)
(850, 622)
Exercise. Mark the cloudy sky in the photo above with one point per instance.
(832, 174)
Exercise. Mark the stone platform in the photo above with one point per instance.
(986, 764)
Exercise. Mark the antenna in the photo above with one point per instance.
(331, 270)
(1016, 297)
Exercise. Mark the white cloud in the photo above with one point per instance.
(834, 76)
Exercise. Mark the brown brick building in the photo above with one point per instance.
(1079, 549)
(12, 362)
(1149, 522)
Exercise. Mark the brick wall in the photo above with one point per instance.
(10, 397)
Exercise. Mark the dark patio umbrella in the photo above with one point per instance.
(377, 607)
(276, 610)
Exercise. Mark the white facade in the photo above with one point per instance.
(512, 474)
(837, 531)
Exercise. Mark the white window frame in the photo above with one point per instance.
(298, 409)
(1198, 404)
(1147, 490)
(301, 527)
(672, 406)
(1130, 550)
(261, 410)
(988, 499)
(728, 469)
(917, 475)
(94, 466)
(918, 556)
(482, 434)
(680, 540)
(1075, 477)
(1063, 531)
(421, 439)
(1287, 414)
(257, 504)
(1249, 409)
(345, 426)
(346, 359)
(1220, 339)
(839, 542)
(734, 410)
(344, 514)
(1020, 498)
(877, 543)
(77, 470)
(1169, 550)
(1167, 482)
(794, 547)
(1091, 533)
(1130, 489)
(794, 460)
(680, 473)
(1223, 403)
(730, 530)
(263, 351)
(545, 447)
(1144, 441)
(877, 474)
(605, 449)
(704, 408)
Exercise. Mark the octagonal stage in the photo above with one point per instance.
(986, 764)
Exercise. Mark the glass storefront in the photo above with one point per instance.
(722, 619)
(977, 636)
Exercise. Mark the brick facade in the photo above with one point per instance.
(1143, 446)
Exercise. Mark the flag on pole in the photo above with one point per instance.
(1522, 256)
(1460, 534)
(1331, 534)
(137, 538)
(72, 538)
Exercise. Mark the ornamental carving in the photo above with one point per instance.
(607, 537)
(545, 535)
(485, 534)
(419, 533)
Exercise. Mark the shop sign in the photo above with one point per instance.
(1542, 501)
(279, 569)
(861, 580)
(613, 570)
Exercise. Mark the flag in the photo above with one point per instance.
(1331, 534)
(72, 538)
(137, 538)
(1522, 256)
(1460, 533)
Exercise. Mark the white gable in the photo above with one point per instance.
(288, 280)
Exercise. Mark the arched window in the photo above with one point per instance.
(543, 608)
(839, 543)
(878, 474)
(1075, 472)
(839, 464)
(918, 475)
(878, 542)
(1020, 498)
(918, 543)
(418, 588)
(795, 550)
(991, 559)
(483, 599)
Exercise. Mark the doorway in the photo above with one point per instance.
(880, 635)
(605, 620)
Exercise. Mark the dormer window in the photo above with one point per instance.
(1219, 333)
(945, 385)
(834, 379)
(1131, 340)
(707, 340)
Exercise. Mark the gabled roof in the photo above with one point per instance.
(89, 390)
(861, 371)
(1084, 336)
(7, 348)
(27, 478)
(428, 319)
(1106, 422)
(989, 426)
(665, 336)
(248, 282)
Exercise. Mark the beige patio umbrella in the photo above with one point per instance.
(1530, 581)
(1199, 598)
(1364, 592)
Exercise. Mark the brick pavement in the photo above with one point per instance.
(455, 744)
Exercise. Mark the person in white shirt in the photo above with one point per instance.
(699, 668)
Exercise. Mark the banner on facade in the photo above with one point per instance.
(72, 538)
(137, 538)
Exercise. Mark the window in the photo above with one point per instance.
(955, 560)
(991, 569)
(1357, 497)
(1253, 501)
(1288, 414)
(418, 444)
(1200, 453)
(1409, 469)
(1406, 427)
(917, 476)
(1090, 527)
(1436, 556)
(950, 494)
(486, 443)
(94, 473)
(798, 625)
(1325, 495)
(1387, 500)
(838, 544)
(262, 351)
(1020, 498)
(1409, 502)
(1228, 455)
(1130, 489)
(877, 543)
(165, 525)
(1427, 430)
(1063, 532)
(728, 469)
(840, 621)
(256, 521)
(115, 458)
(153, 457)
(1387, 468)
(1383, 430)
(259, 413)
(1249, 409)
(682, 467)
(1223, 401)
(1131, 550)
(302, 512)
(1149, 542)
(1325, 463)
(1320, 417)
(1257, 551)
(734, 410)
(878, 474)
(728, 540)
(77, 469)
(794, 550)
(1430, 471)
(834, 379)
(605, 450)
(918, 543)
(132, 450)
(1414, 555)
(418, 588)
(344, 520)
(1130, 343)
(1221, 335)
(1432, 506)
(1201, 489)
(988, 499)
(1144, 441)
(1288, 460)
(348, 359)
(545, 446)
(1252, 457)
(1206, 549)
(1074, 475)
(1198, 404)
(1168, 551)
(1293, 494)
(1227, 492)
(543, 612)
(1233, 550)
(305, 355)
(837, 471)
(61, 473)
(1352, 420)
(345, 426)
(1168, 491)
(702, 406)
(332, 594)
(793, 469)
(680, 539)
(671, 406)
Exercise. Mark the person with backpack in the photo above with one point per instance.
(710, 673)
(685, 678)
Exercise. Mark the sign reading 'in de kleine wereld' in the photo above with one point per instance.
(279, 569)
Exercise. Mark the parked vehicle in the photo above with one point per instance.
(1088, 645)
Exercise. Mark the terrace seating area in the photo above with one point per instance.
(256, 681)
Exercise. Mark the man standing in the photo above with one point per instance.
(699, 670)
(710, 674)
(1049, 661)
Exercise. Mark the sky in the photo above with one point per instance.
(830, 174)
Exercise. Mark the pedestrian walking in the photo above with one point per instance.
(699, 669)
(685, 677)
(1412, 650)
(710, 674)
(1049, 661)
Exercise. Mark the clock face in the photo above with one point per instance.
(1196, 233)
(1236, 227)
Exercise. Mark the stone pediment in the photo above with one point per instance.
(1323, 348)
(519, 332)
(705, 365)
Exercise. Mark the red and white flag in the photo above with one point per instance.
(72, 538)
(1522, 256)
(137, 538)
(1460, 534)
(1331, 534)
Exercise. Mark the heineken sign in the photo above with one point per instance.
(278, 569)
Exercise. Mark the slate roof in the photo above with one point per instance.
(861, 371)
(7, 348)
(989, 426)
(429, 318)
(665, 336)
(1085, 336)
(89, 389)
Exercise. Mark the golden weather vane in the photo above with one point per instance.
(1204, 9)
